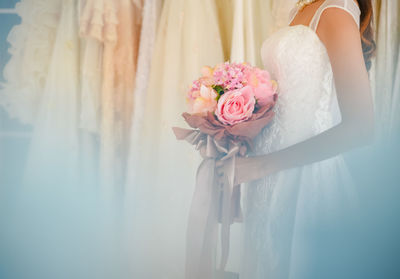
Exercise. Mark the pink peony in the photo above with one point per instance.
(202, 101)
(236, 106)
(264, 88)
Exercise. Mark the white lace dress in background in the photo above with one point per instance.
(294, 218)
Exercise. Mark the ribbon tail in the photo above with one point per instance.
(203, 224)
(237, 209)
(227, 216)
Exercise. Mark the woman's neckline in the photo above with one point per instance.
(305, 27)
(297, 10)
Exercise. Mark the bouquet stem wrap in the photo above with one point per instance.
(211, 203)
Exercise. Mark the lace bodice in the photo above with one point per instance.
(299, 61)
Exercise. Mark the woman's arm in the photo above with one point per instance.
(340, 34)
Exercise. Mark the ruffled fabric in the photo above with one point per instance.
(98, 23)
(112, 33)
(31, 45)
(98, 19)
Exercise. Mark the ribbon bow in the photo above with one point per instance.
(211, 203)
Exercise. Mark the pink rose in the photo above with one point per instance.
(264, 88)
(236, 106)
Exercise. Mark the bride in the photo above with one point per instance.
(300, 204)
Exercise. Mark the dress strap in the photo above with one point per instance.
(349, 6)
(292, 14)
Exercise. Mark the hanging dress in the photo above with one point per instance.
(252, 22)
(188, 38)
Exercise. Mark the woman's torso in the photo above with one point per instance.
(298, 60)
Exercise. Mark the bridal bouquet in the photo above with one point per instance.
(228, 106)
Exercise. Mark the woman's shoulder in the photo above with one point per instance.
(340, 8)
(340, 33)
(335, 17)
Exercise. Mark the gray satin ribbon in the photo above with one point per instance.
(202, 228)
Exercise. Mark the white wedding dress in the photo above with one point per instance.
(294, 218)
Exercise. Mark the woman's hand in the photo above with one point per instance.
(246, 169)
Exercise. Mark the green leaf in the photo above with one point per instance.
(220, 91)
